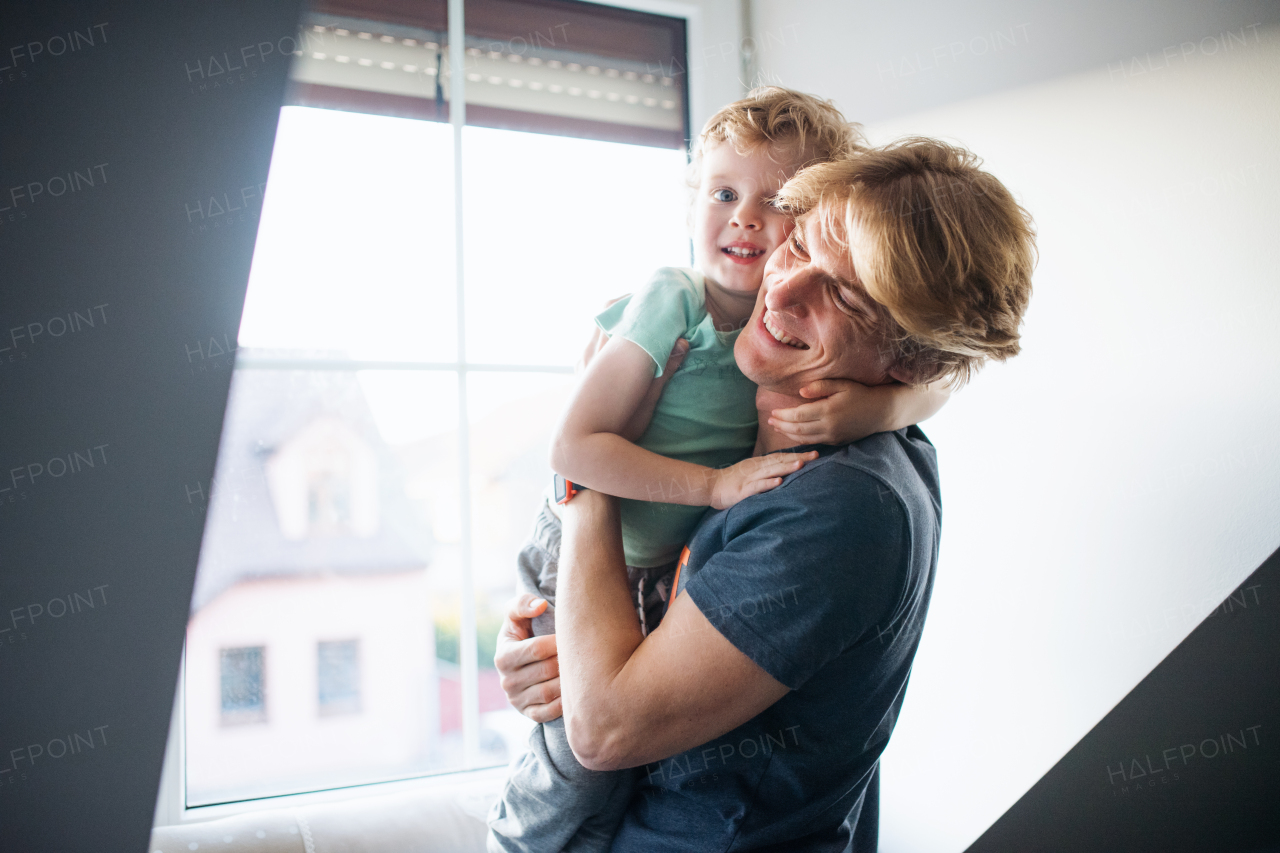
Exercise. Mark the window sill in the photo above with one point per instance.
(445, 812)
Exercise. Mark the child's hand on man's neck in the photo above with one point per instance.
(729, 309)
(769, 439)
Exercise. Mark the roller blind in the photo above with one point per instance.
(548, 66)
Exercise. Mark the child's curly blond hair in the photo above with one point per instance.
(791, 126)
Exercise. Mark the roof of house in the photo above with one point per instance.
(243, 539)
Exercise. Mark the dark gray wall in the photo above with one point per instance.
(117, 148)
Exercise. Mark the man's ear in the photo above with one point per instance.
(920, 373)
(905, 375)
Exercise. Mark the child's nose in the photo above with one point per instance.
(747, 215)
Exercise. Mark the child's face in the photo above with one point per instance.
(735, 228)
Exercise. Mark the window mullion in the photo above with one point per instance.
(467, 634)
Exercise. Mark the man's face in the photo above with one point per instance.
(813, 320)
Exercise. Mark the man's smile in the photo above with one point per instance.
(781, 336)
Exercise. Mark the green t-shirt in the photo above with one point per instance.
(707, 412)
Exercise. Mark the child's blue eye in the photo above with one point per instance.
(724, 195)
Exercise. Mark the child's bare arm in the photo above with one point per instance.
(639, 421)
(847, 411)
(588, 447)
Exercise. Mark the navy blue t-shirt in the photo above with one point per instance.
(824, 582)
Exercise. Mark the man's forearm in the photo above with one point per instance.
(596, 624)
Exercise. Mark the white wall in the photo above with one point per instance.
(1107, 488)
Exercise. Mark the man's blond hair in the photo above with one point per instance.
(788, 125)
(940, 244)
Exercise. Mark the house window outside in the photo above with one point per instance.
(328, 501)
(338, 677)
(243, 693)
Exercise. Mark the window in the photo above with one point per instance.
(338, 677)
(328, 500)
(386, 438)
(243, 696)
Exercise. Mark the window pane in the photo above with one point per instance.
(554, 228)
(512, 416)
(338, 676)
(355, 248)
(242, 689)
(329, 563)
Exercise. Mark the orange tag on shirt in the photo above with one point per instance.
(684, 561)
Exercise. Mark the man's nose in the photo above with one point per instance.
(789, 292)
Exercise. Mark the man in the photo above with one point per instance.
(757, 711)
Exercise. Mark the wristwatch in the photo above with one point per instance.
(565, 490)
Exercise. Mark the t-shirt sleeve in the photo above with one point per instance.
(807, 574)
(657, 315)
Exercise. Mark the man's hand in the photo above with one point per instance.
(529, 666)
(753, 476)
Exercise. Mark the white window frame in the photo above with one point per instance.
(171, 802)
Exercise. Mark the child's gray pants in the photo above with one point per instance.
(551, 802)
